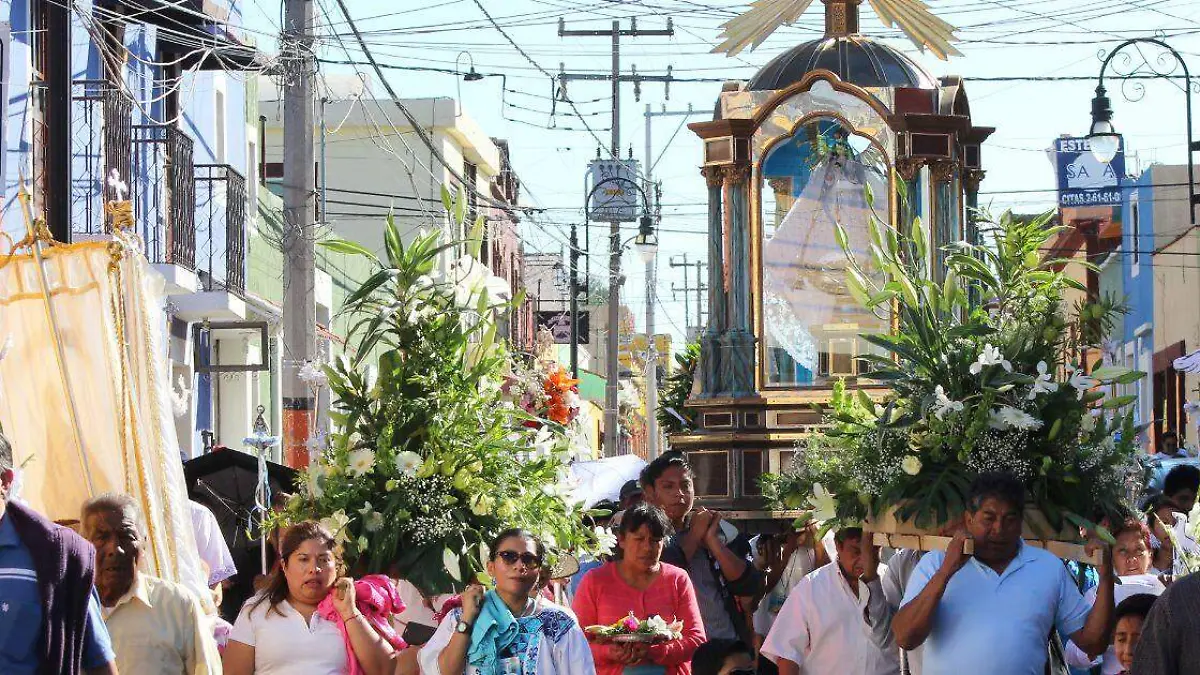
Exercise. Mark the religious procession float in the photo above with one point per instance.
(876, 341)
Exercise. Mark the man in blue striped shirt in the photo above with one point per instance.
(25, 647)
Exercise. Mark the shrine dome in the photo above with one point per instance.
(853, 58)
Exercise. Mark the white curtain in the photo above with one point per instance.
(107, 302)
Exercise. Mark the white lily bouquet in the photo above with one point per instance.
(983, 377)
(430, 458)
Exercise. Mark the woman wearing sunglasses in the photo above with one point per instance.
(639, 582)
(505, 631)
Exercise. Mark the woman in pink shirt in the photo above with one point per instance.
(639, 582)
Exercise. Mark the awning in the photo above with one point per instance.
(1188, 364)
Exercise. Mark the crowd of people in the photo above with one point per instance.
(79, 602)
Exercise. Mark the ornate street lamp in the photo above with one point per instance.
(1103, 137)
(646, 241)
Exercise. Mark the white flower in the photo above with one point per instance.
(605, 540)
(450, 561)
(338, 524)
(823, 503)
(911, 465)
(657, 624)
(472, 278)
(316, 442)
(1044, 382)
(1081, 382)
(409, 462)
(1088, 423)
(360, 462)
(312, 374)
(423, 282)
(945, 404)
(316, 480)
(990, 356)
(543, 443)
(419, 311)
(1007, 417)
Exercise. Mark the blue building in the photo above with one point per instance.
(1132, 266)
(164, 95)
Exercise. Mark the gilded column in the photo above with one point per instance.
(908, 171)
(946, 227)
(738, 358)
(971, 181)
(710, 341)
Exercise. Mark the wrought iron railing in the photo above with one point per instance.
(221, 231)
(101, 142)
(164, 193)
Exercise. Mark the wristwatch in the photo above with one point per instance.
(462, 627)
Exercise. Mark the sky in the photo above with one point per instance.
(1007, 46)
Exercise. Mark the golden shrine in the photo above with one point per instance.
(827, 132)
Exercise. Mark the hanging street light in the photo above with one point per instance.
(1102, 137)
(646, 241)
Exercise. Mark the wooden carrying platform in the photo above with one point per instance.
(891, 531)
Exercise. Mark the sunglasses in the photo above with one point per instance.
(511, 558)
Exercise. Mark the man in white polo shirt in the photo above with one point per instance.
(820, 629)
(993, 612)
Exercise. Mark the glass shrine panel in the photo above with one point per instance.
(811, 323)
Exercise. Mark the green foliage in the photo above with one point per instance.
(975, 386)
(675, 390)
(428, 461)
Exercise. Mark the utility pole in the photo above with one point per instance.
(611, 424)
(574, 291)
(299, 302)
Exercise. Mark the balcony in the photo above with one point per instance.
(101, 135)
(164, 195)
(221, 227)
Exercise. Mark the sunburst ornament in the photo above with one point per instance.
(764, 17)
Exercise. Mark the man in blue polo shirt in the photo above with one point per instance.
(993, 612)
(50, 619)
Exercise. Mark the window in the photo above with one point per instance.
(1135, 227)
(219, 121)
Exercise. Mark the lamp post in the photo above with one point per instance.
(647, 244)
(1103, 137)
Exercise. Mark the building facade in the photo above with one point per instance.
(371, 165)
(164, 98)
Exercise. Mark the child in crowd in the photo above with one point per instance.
(723, 657)
(1130, 615)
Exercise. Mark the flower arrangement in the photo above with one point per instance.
(981, 379)
(427, 462)
(632, 629)
(546, 391)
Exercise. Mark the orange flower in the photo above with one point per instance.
(559, 381)
(559, 412)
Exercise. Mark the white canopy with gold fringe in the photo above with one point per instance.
(84, 393)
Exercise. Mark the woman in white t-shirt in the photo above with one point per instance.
(280, 632)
